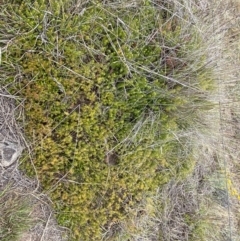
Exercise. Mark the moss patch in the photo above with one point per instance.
(101, 104)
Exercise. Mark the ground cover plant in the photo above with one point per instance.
(15, 210)
(110, 91)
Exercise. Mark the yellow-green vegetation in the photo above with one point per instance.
(15, 210)
(208, 222)
(233, 191)
(103, 94)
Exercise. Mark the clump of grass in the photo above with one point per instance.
(15, 217)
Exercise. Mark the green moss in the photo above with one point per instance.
(95, 89)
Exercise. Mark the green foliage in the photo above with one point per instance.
(206, 224)
(95, 89)
(15, 211)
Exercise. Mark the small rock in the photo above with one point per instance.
(9, 153)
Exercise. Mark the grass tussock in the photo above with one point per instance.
(15, 215)
(122, 113)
